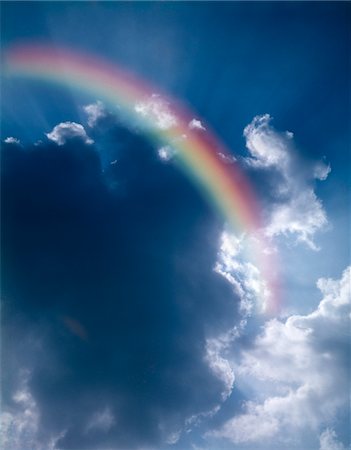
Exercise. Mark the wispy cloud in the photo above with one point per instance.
(166, 153)
(20, 426)
(328, 441)
(102, 420)
(94, 112)
(228, 159)
(220, 365)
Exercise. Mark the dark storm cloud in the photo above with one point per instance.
(110, 275)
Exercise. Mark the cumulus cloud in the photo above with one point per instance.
(157, 111)
(250, 288)
(153, 367)
(300, 368)
(244, 277)
(196, 124)
(123, 339)
(302, 216)
(64, 131)
(12, 140)
(95, 112)
(294, 208)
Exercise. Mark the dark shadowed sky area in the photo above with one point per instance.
(131, 314)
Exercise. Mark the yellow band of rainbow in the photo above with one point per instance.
(224, 185)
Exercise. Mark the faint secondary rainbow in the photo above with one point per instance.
(199, 152)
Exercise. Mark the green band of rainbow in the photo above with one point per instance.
(224, 185)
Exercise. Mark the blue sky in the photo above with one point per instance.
(130, 314)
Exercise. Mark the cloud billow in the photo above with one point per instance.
(65, 131)
(300, 369)
(112, 295)
(293, 208)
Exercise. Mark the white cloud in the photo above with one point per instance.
(253, 426)
(195, 124)
(173, 438)
(18, 430)
(166, 152)
(68, 130)
(321, 171)
(228, 159)
(12, 140)
(328, 441)
(248, 284)
(295, 208)
(219, 365)
(94, 112)
(20, 427)
(299, 370)
(245, 278)
(267, 147)
(302, 215)
(196, 419)
(157, 111)
(102, 420)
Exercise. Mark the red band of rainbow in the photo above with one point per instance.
(224, 185)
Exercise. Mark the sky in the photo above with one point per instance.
(135, 314)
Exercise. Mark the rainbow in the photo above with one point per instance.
(199, 153)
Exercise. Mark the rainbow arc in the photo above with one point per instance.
(199, 152)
